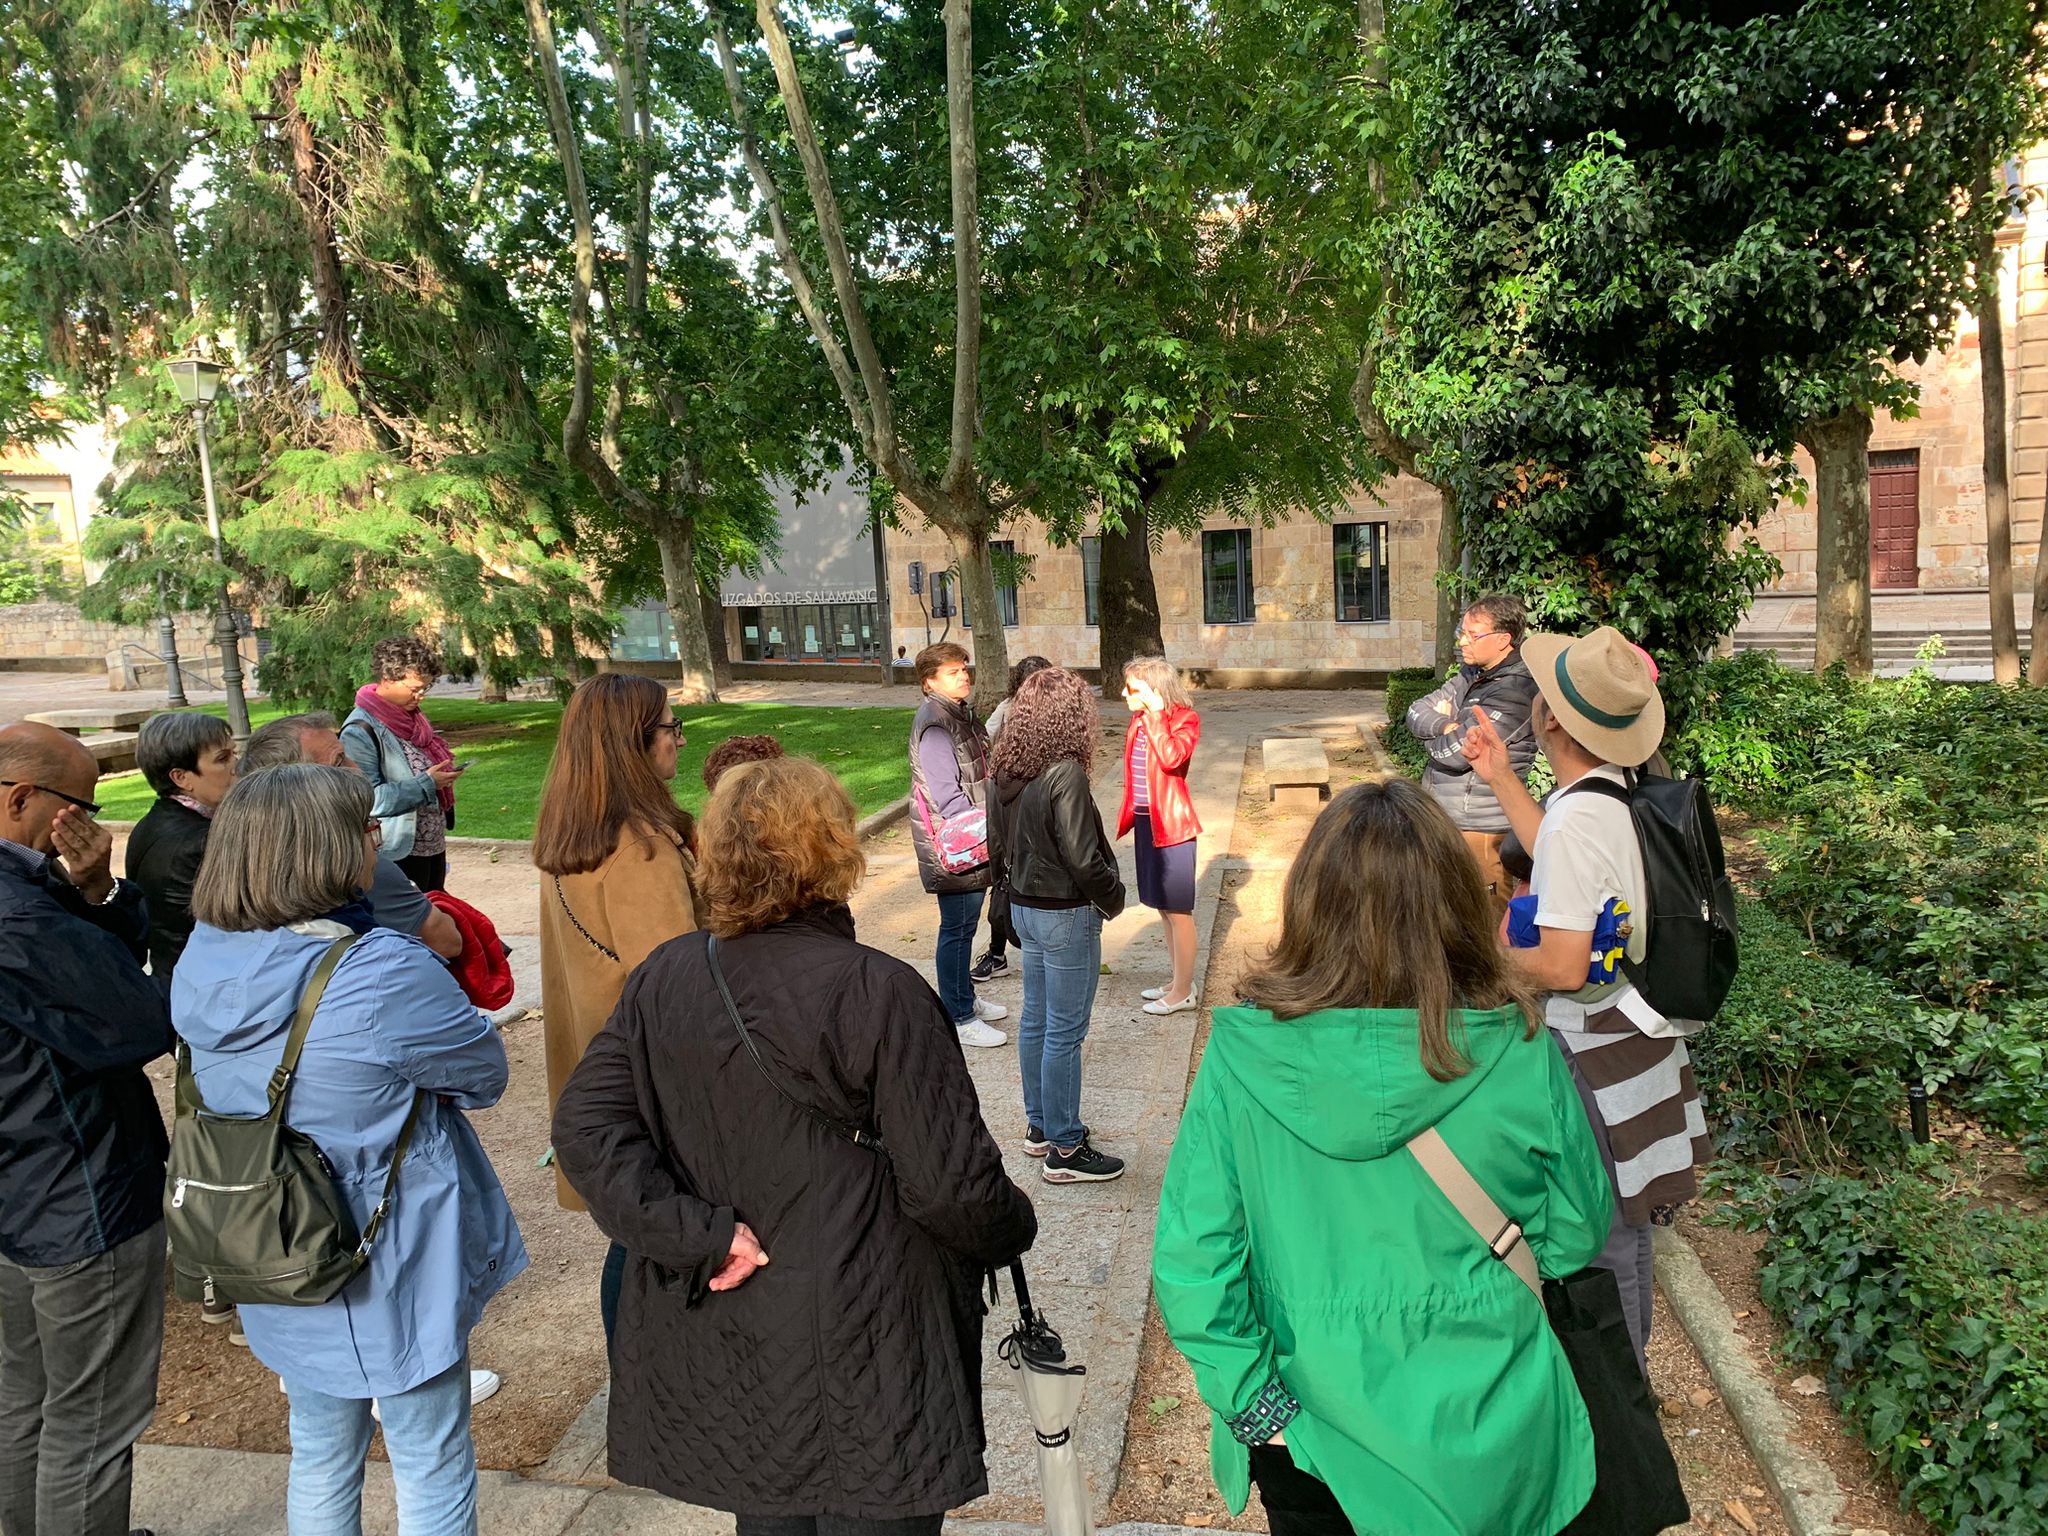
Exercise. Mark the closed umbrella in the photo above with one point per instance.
(1050, 1385)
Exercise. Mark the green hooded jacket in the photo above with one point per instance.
(1299, 1241)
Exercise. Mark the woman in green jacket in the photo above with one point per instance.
(1365, 1359)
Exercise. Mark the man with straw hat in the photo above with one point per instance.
(1597, 715)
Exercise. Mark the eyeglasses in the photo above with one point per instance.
(90, 807)
(1466, 636)
(375, 832)
(673, 727)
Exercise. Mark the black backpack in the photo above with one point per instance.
(1690, 961)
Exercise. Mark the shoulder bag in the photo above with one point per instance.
(250, 1205)
(1636, 1491)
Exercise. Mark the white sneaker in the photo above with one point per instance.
(989, 1012)
(482, 1384)
(974, 1032)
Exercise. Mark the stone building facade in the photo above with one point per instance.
(1927, 470)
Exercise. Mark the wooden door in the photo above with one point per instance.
(1895, 518)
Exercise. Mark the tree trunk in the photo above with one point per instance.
(570, 666)
(676, 538)
(714, 632)
(2005, 637)
(1450, 596)
(978, 585)
(1840, 447)
(1127, 600)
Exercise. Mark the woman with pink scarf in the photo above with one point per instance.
(412, 773)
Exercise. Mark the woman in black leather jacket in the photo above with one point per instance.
(1063, 885)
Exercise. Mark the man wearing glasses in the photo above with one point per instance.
(1490, 677)
(81, 1149)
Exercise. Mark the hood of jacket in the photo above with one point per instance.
(236, 991)
(1350, 1081)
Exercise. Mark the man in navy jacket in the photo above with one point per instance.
(81, 1152)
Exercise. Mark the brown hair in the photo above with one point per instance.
(776, 839)
(933, 657)
(601, 781)
(1052, 717)
(1384, 909)
(733, 751)
(1164, 677)
(402, 655)
(1509, 615)
(286, 845)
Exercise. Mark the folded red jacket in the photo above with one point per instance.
(483, 970)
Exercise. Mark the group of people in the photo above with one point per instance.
(773, 1124)
(1004, 813)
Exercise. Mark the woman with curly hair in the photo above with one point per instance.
(838, 1387)
(412, 773)
(1063, 882)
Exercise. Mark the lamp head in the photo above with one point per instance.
(198, 380)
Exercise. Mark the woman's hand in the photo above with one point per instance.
(1146, 697)
(746, 1256)
(444, 774)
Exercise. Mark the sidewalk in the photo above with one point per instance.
(1090, 1269)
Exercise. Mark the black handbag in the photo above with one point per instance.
(1636, 1489)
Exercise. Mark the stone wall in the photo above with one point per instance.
(1293, 579)
(32, 631)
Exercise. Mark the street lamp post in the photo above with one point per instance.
(198, 381)
(167, 651)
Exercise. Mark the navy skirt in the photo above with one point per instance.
(1166, 876)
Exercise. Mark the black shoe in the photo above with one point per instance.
(1082, 1165)
(989, 967)
(1035, 1144)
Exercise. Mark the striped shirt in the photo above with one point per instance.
(1647, 1097)
(1141, 783)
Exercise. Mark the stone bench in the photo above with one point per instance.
(113, 750)
(77, 721)
(1297, 772)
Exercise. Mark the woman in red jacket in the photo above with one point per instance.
(1157, 749)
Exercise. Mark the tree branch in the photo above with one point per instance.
(888, 453)
(134, 204)
(966, 246)
(785, 247)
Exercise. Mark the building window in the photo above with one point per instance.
(1003, 555)
(1091, 582)
(1227, 576)
(1361, 568)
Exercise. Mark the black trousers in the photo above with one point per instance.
(428, 871)
(1296, 1504)
(835, 1525)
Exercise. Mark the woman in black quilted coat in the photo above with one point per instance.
(799, 1336)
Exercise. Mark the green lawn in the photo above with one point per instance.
(513, 742)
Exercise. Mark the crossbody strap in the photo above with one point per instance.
(569, 912)
(309, 1000)
(1502, 1236)
(860, 1136)
(281, 1081)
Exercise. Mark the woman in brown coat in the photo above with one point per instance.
(612, 849)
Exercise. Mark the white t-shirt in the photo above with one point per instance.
(1586, 855)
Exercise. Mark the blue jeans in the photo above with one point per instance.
(1062, 953)
(426, 1434)
(959, 913)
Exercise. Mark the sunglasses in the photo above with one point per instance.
(90, 807)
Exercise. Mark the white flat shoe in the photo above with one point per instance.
(1161, 1006)
(1153, 994)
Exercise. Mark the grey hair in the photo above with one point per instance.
(1164, 677)
(174, 740)
(282, 741)
(286, 846)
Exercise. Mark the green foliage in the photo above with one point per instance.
(1808, 1059)
(1403, 689)
(1929, 1315)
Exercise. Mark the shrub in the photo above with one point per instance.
(1403, 689)
(1808, 1059)
(1929, 1315)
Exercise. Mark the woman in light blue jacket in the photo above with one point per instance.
(291, 852)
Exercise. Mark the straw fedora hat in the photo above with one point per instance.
(1601, 690)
